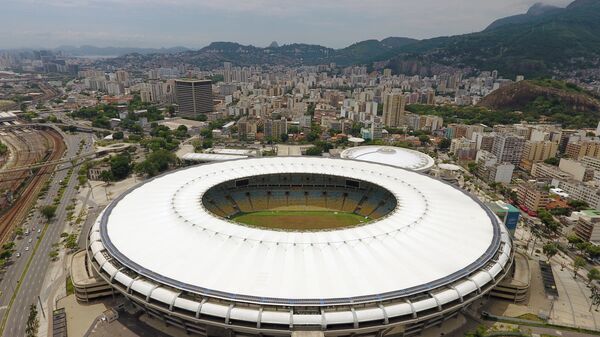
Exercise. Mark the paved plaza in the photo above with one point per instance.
(573, 303)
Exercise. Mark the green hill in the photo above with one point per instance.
(559, 39)
(555, 101)
(538, 43)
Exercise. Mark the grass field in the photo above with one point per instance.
(299, 220)
(4, 103)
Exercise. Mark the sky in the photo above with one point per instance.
(196, 23)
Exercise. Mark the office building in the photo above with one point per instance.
(194, 97)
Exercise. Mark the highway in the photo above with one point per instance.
(31, 285)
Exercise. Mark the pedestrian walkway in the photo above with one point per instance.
(572, 307)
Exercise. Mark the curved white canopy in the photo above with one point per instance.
(390, 155)
(436, 235)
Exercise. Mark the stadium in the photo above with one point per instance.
(391, 155)
(240, 248)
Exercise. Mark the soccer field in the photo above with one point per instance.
(300, 220)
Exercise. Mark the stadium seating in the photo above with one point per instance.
(302, 191)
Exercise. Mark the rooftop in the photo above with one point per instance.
(389, 155)
(421, 245)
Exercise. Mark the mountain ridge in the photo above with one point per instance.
(541, 42)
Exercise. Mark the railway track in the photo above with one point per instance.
(27, 150)
(17, 213)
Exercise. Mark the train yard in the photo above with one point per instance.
(19, 189)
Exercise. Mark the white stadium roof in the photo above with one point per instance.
(449, 167)
(161, 230)
(390, 155)
(207, 157)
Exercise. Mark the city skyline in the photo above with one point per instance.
(195, 24)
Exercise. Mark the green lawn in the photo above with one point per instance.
(300, 220)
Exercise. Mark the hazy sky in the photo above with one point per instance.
(195, 23)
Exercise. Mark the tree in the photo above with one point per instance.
(593, 251)
(156, 162)
(293, 129)
(284, 137)
(578, 205)
(548, 220)
(117, 135)
(472, 167)
(181, 132)
(7, 250)
(479, 332)
(120, 166)
(550, 249)
(595, 297)
(49, 212)
(71, 242)
(312, 136)
(206, 133)
(573, 240)
(207, 144)
(314, 151)
(582, 247)
(3, 149)
(33, 323)
(445, 144)
(310, 109)
(106, 176)
(577, 264)
(593, 275)
(146, 167)
(552, 161)
(424, 139)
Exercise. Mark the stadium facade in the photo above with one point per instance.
(168, 245)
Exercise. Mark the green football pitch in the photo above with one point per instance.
(300, 220)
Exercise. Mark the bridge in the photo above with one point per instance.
(49, 163)
(78, 127)
(54, 126)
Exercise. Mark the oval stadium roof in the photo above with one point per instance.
(390, 155)
(161, 230)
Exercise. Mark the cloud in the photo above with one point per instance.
(294, 7)
(194, 23)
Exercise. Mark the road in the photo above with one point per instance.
(31, 285)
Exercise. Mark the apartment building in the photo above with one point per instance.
(588, 226)
(532, 195)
